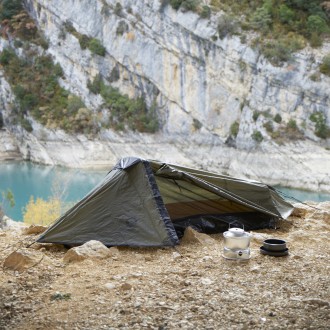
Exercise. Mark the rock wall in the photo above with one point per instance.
(201, 84)
(176, 59)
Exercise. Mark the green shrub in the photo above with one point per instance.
(277, 51)
(257, 136)
(84, 41)
(74, 104)
(269, 126)
(95, 85)
(286, 14)
(256, 115)
(321, 128)
(197, 124)
(114, 74)
(292, 124)
(10, 8)
(118, 9)
(278, 118)
(128, 112)
(122, 28)
(234, 128)
(227, 25)
(26, 125)
(317, 24)
(325, 65)
(96, 47)
(205, 12)
(176, 4)
(262, 20)
(191, 5)
(6, 55)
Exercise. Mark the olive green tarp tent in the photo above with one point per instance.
(150, 203)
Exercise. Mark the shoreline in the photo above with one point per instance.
(300, 164)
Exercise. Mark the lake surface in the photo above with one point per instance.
(25, 180)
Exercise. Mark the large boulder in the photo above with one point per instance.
(22, 259)
(193, 236)
(91, 249)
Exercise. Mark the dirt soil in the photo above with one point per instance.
(190, 287)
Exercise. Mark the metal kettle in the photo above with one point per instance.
(236, 244)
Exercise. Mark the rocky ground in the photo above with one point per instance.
(190, 287)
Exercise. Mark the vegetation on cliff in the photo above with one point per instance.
(34, 79)
(283, 26)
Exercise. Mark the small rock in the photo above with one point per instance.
(91, 249)
(176, 255)
(126, 286)
(34, 229)
(206, 281)
(114, 251)
(22, 259)
(110, 286)
(193, 236)
(207, 258)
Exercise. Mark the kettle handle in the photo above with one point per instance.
(236, 226)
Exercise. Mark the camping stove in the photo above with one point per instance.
(237, 244)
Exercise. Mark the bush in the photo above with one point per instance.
(262, 20)
(227, 25)
(205, 12)
(127, 112)
(191, 5)
(6, 55)
(122, 28)
(96, 47)
(278, 118)
(321, 128)
(317, 24)
(257, 136)
(234, 128)
(197, 124)
(269, 126)
(292, 125)
(325, 65)
(10, 8)
(118, 9)
(256, 115)
(84, 41)
(176, 4)
(277, 52)
(286, 14)
(42, 212)
(95, 85)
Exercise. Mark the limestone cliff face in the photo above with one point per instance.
(173, 58)
(200, 83)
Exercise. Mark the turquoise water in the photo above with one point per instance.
(25, 180)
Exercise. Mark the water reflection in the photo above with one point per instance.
(25, 180)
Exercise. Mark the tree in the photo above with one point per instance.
(316, 24)
(286, 14)
(7, 200)
(261, 19)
